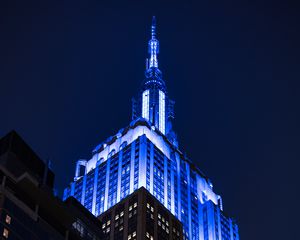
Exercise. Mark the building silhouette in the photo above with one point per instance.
(140, 216)
(28, 208)
(146, 154)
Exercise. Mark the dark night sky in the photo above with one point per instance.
(68, 71)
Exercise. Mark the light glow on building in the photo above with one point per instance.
(146, 154)
(145, 109)
(162, 110)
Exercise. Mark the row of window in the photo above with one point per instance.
(5, 233)
(161, 176)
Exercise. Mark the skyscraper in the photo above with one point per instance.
(146, 154)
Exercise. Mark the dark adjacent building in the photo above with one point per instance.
(140, 216)
(28, 207)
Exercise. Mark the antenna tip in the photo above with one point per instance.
(153, 27)
(153, 21)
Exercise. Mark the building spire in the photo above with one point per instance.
(153, 46)
(153, 28)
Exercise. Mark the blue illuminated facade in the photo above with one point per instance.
(146, 154)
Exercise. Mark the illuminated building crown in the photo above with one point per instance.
(153, 103)
(145, 154)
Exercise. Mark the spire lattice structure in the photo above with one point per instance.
(153, 46)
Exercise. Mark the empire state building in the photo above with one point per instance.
(146, 154)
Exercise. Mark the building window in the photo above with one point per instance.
(8, 219)
(112, 152)
(123, 145)
(100, 160)
(5, 233)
